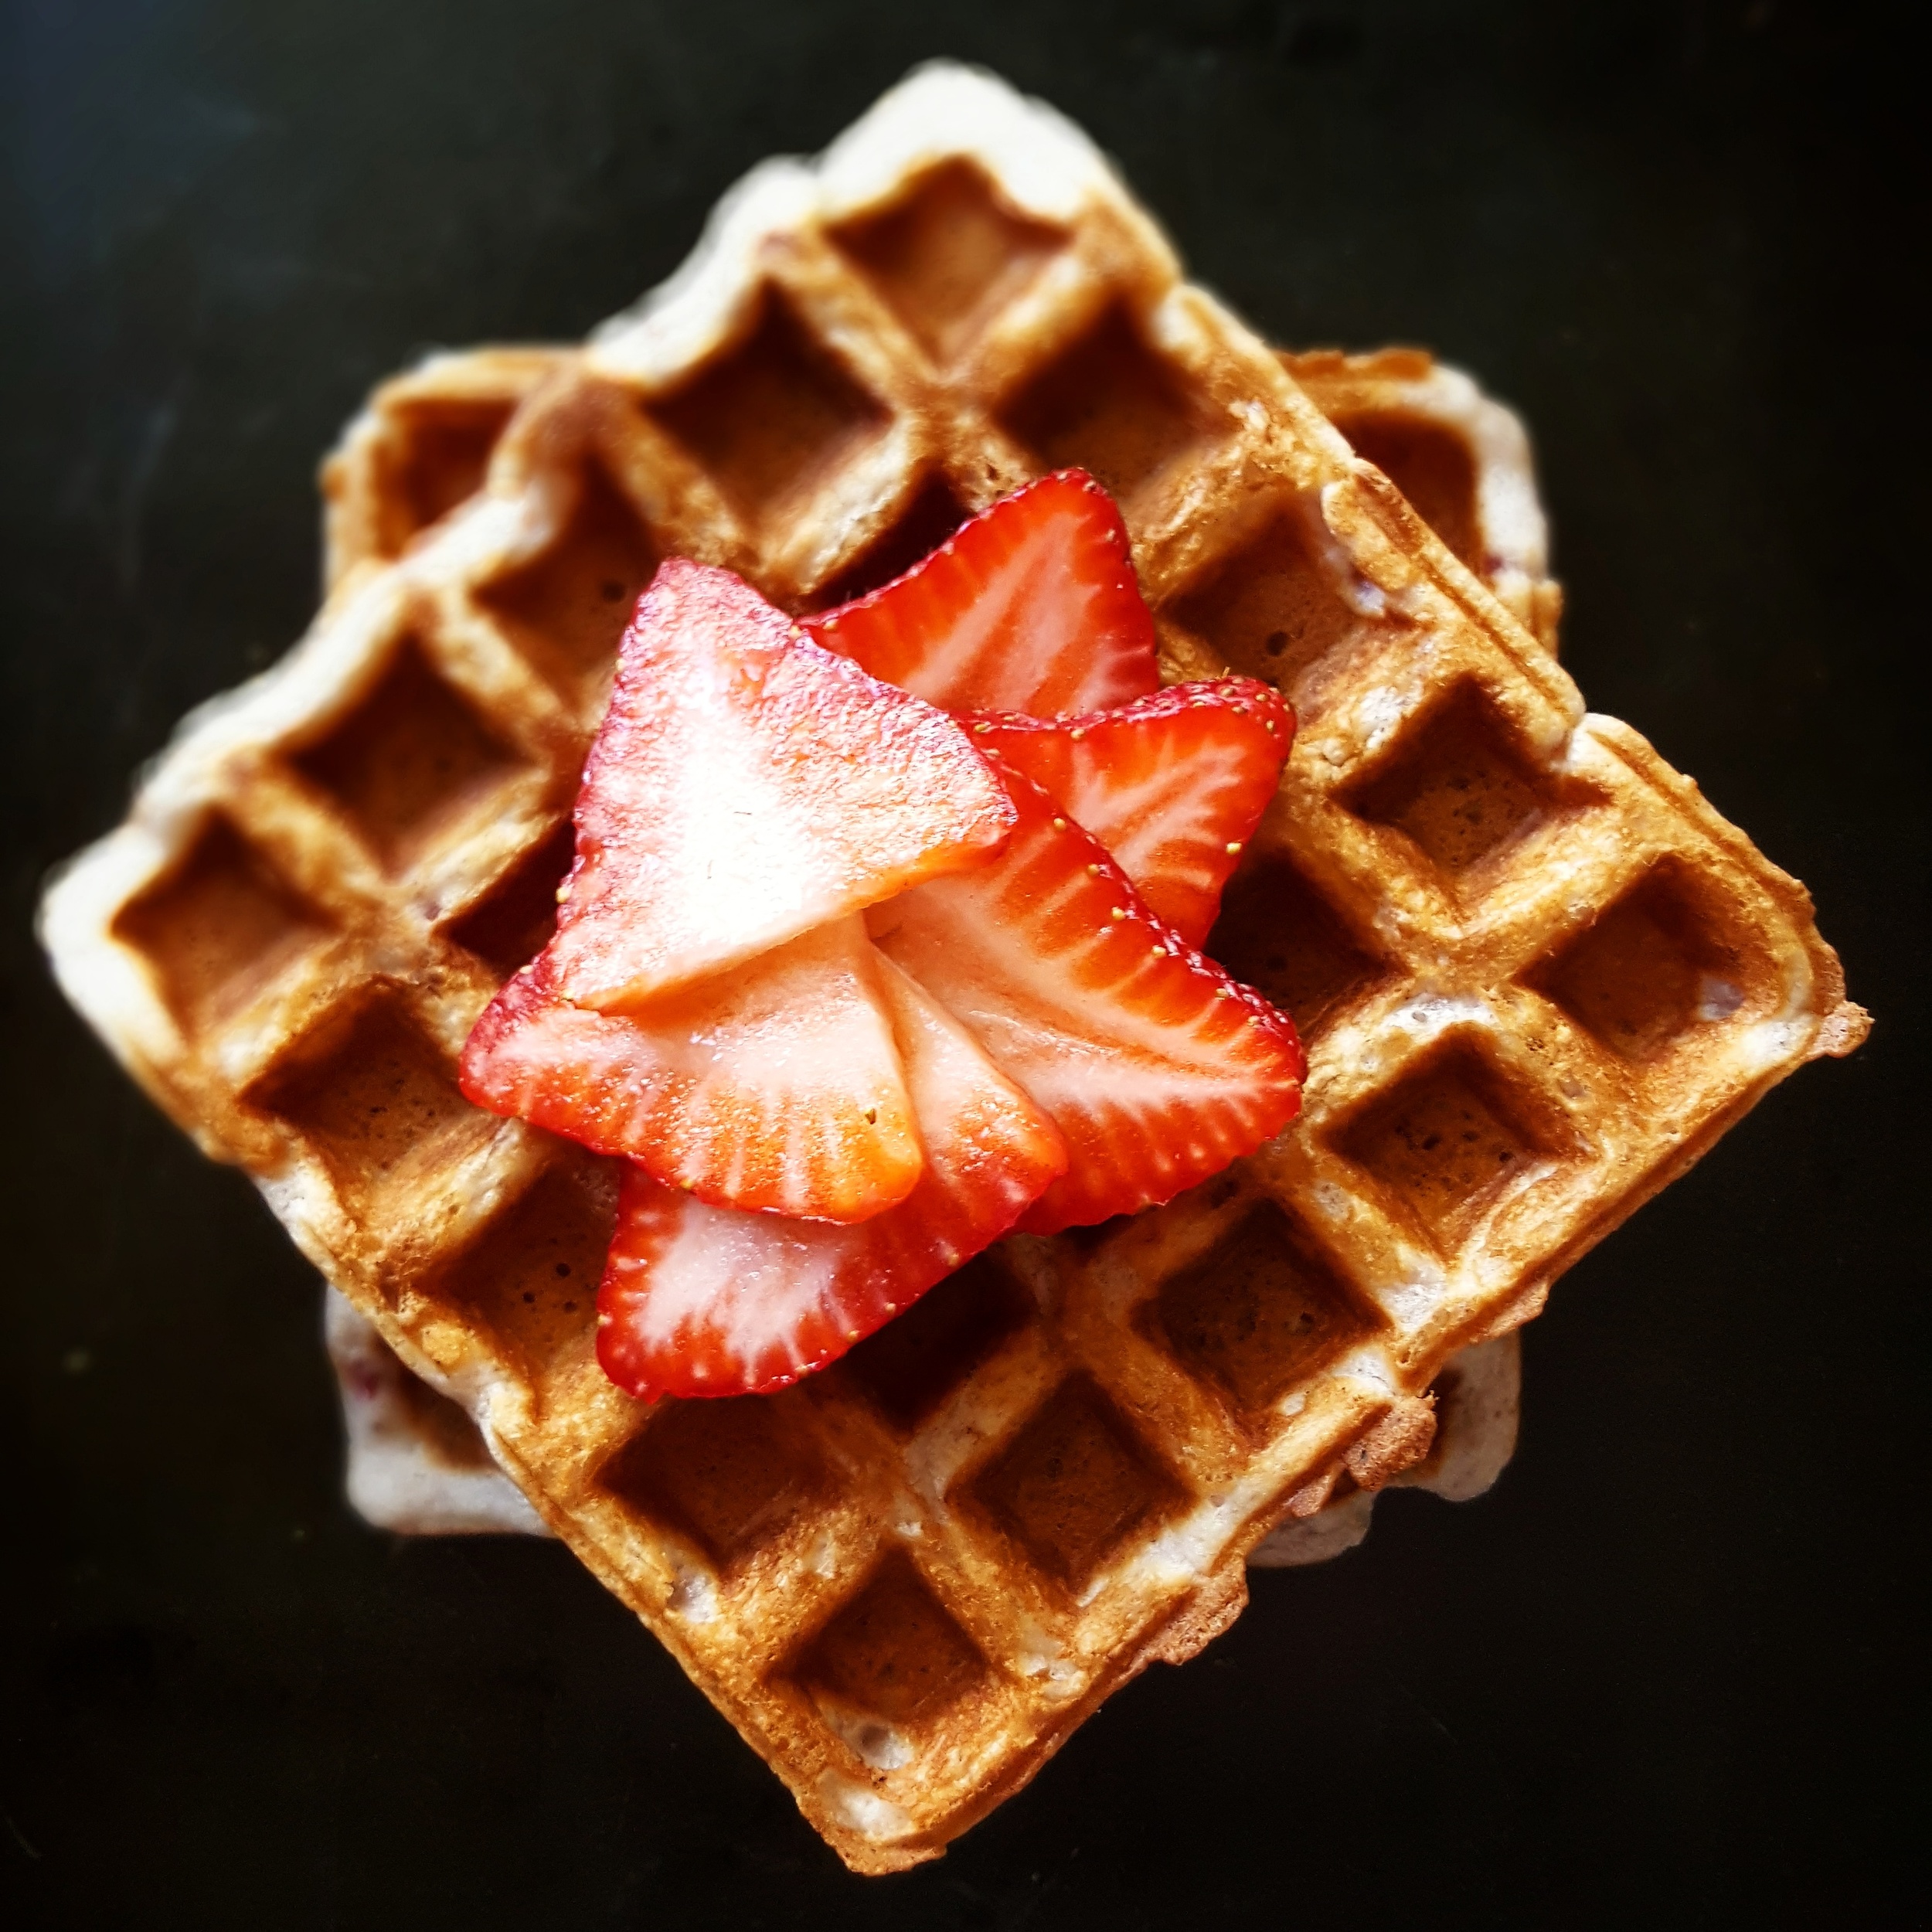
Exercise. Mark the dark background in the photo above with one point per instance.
(1663, 1674)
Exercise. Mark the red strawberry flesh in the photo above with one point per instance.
(1033, 607)
(701, 1300)
(775, 1087)
(1156, 1066)
(1172, 785)
(746, 786)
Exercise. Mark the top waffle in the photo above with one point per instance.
(1537, 974)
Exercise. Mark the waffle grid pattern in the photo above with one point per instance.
(423, 446)
(1538, 974)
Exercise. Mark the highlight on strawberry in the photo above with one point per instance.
(882, 941)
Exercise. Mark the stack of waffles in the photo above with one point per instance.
(1538, 974)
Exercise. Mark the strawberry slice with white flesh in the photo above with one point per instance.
(746, 786)
(776, 1087)
(702, 1301)
(1156, 1066)
(1172, 785)
(1033, 606)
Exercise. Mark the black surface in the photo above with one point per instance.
(1665, 1674)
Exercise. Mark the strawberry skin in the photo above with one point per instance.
(701, 1300)
(746, 786)
(1033, 606)
(777, 1087)
(1156, 1067)
(1172, 785)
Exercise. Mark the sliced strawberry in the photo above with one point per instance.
(1032, 607)
(1171, 785)
(746, 786)
(775, 1086)
(1156, 1066)
(699, 1301)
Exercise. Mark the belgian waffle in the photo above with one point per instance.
(1537, 974)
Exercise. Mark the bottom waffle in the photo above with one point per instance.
(416, 1463)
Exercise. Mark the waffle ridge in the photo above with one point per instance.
(1540, 974)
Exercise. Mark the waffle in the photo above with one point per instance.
(1537, 974)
